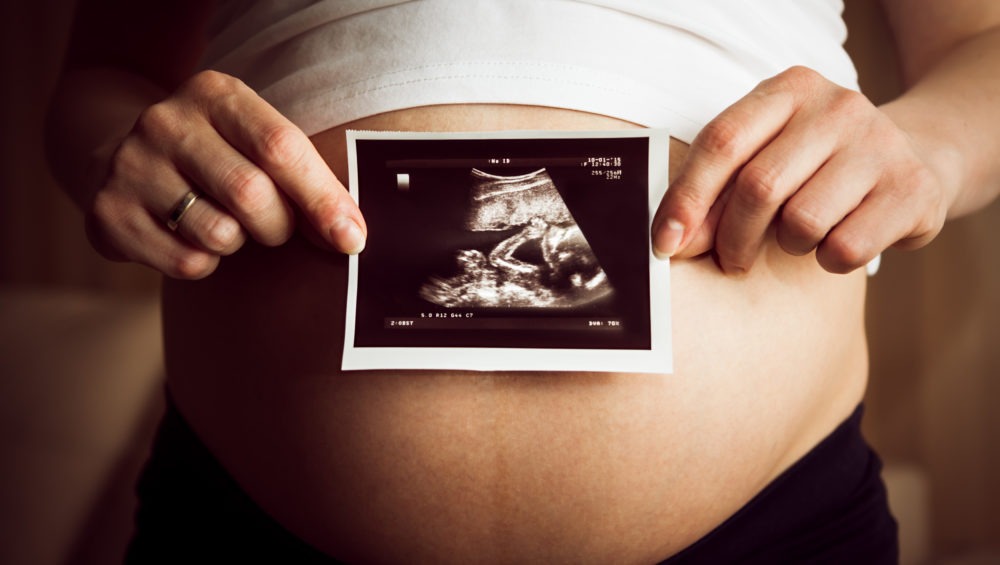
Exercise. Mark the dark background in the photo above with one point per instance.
(81, 372)
(430, 218)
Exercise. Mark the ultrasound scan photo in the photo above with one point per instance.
(535, 242)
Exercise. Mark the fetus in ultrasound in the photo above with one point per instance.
(547, 262)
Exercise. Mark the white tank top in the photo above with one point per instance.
(659, 63)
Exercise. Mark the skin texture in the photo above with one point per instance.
(526, 467)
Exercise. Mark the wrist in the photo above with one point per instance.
(937, 147)
(91, 112)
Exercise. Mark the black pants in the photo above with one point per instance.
(829, 507)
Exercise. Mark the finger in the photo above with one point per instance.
(203, 223)
(887, 216)
(175, 257)
(241, 188)
(285, 154)
(134, 234)
(827, 198)
(702, 240)
(717, 153)
(763, 186)
(210, 227)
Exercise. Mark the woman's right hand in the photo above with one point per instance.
(251, 168)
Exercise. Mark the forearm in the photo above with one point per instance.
(91, 111)
(952, 114)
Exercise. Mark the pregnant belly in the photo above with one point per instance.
(509, 467)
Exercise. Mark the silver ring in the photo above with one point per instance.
(179, 210)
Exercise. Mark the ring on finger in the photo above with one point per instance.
(180, 209)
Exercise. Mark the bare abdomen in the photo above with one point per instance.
(509, 467)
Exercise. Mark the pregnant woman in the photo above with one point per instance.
(206, 140)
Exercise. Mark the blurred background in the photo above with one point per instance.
(81, 363)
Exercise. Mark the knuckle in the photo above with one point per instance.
(214, 92)
(882, 133)
(721, 137)
(210, 83)
(924, 182)
(247, 189)
(158, 121)
(283, 146)
(129, 151)
(104, 208)
(130, 161)
(682, 198)
(803, 223)
(758, 185)
(324, 209)
(799, 77)
(848, 102)
(110, 212)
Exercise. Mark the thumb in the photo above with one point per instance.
(696, 239)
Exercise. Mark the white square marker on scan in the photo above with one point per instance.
(523, 250)
(402, 181)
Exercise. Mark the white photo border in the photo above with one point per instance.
(657, 359)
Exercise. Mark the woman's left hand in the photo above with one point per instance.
(827, 168)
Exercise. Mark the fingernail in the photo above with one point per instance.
(669, 239)
(347, 235)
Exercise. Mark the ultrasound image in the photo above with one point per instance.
(546, 263)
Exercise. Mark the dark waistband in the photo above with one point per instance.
(828, 507)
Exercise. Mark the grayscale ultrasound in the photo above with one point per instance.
(516, 243)
(547, 262)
